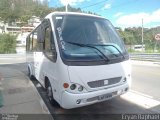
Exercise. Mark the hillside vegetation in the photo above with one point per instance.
(22, 10)
(133, 36)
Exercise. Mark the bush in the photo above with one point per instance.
(7, 43)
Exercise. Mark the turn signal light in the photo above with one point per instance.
(65, 85)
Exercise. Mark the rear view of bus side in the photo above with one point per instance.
(78, 58)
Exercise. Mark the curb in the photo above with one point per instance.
(43, 105)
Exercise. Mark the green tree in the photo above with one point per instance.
(7, 43)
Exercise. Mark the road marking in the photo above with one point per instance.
(5, 58)
(11, 58)
(145, 63)
(142, 94)
(142, 100)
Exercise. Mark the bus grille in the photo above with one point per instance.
(101, 83)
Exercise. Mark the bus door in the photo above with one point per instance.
(38, 52)
(38, 61)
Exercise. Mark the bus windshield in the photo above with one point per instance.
(86, 38)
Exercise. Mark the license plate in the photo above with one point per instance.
(103, 97)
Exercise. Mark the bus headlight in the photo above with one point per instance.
(80, 88)
(73, 87)
(76, 88)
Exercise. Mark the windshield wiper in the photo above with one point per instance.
(85, 45)
(112, 46)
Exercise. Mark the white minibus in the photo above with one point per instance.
(78, 58)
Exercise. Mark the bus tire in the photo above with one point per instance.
(50, 94)
(31, 77)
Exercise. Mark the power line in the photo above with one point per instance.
(94, 4)
(122, 4)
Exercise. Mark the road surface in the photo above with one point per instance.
(146, 81)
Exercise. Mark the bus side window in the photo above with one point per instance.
(37, 46)
(49, 47)
(30, 43)
(27, 43)
(35, 42)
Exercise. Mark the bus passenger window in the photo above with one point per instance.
(48, 45)
(35, 43)
(27, 44)
(31, 43)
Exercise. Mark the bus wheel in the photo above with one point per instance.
(50, 95)
(31, 77)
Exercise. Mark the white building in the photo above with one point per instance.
(21, 43)
(34, 21)
(12, 29)
(22, 32)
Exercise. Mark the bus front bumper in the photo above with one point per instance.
(72, 100)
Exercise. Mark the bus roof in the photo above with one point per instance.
(72, 13)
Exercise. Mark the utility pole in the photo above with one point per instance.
(142, 36)
(67, 7)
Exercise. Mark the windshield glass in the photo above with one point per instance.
(76, 35)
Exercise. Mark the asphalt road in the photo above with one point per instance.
(146, 79)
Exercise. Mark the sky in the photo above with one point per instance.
(122, 13)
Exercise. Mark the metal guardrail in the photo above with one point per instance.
(145, 57)
(134, 56)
